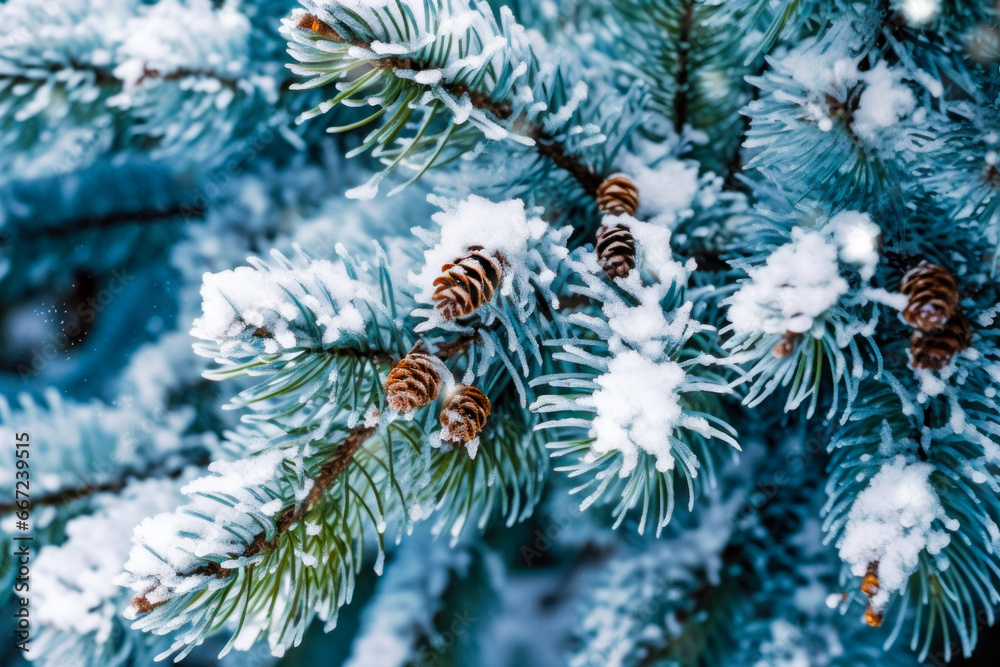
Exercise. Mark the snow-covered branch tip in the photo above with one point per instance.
(287, 517)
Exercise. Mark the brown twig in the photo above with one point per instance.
(556, 151)
(183, 73)
(329, 472)
(450, 349)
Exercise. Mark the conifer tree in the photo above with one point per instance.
(411, 332)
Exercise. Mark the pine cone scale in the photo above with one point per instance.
(412, 383)
(935, 350)
(467, 283)
(933, 296)
(618, 195)
(616, 250)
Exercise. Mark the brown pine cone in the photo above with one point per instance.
(464, 414)
(934, 350)
(617, 195)
(616, 250)
(874, 618)
(467, 283)
(412, 383)
(933, 296)
(870, 585)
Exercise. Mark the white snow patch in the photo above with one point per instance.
(857, 235)
(797, 284)
(630, 421)
(892, 521)
(72, 585)
(191, 36)
(884, 101)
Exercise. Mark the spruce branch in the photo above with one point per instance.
(501, 92)
(321, 482)
(291, 514)
(500, 109)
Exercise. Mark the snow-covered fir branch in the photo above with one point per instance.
(734, 255)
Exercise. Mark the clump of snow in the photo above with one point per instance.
(827, 69)
(797, 284)
(256, 308)
(667, 186)
(804, 278)
(857, 236)
(820, 68)
(502, 229)
(817, 66)
(630, 421)
(896, 518)
(72, 585)
(884, 101)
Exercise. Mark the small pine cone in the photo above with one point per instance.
(615, 250)
(313, 23)
(933, 296)
(144, 606)
(464, 414)
(786, 345)
(412, 383)
(617, 195)
(467, 283)
(874, 618)
(933, 351)
(870, 585)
